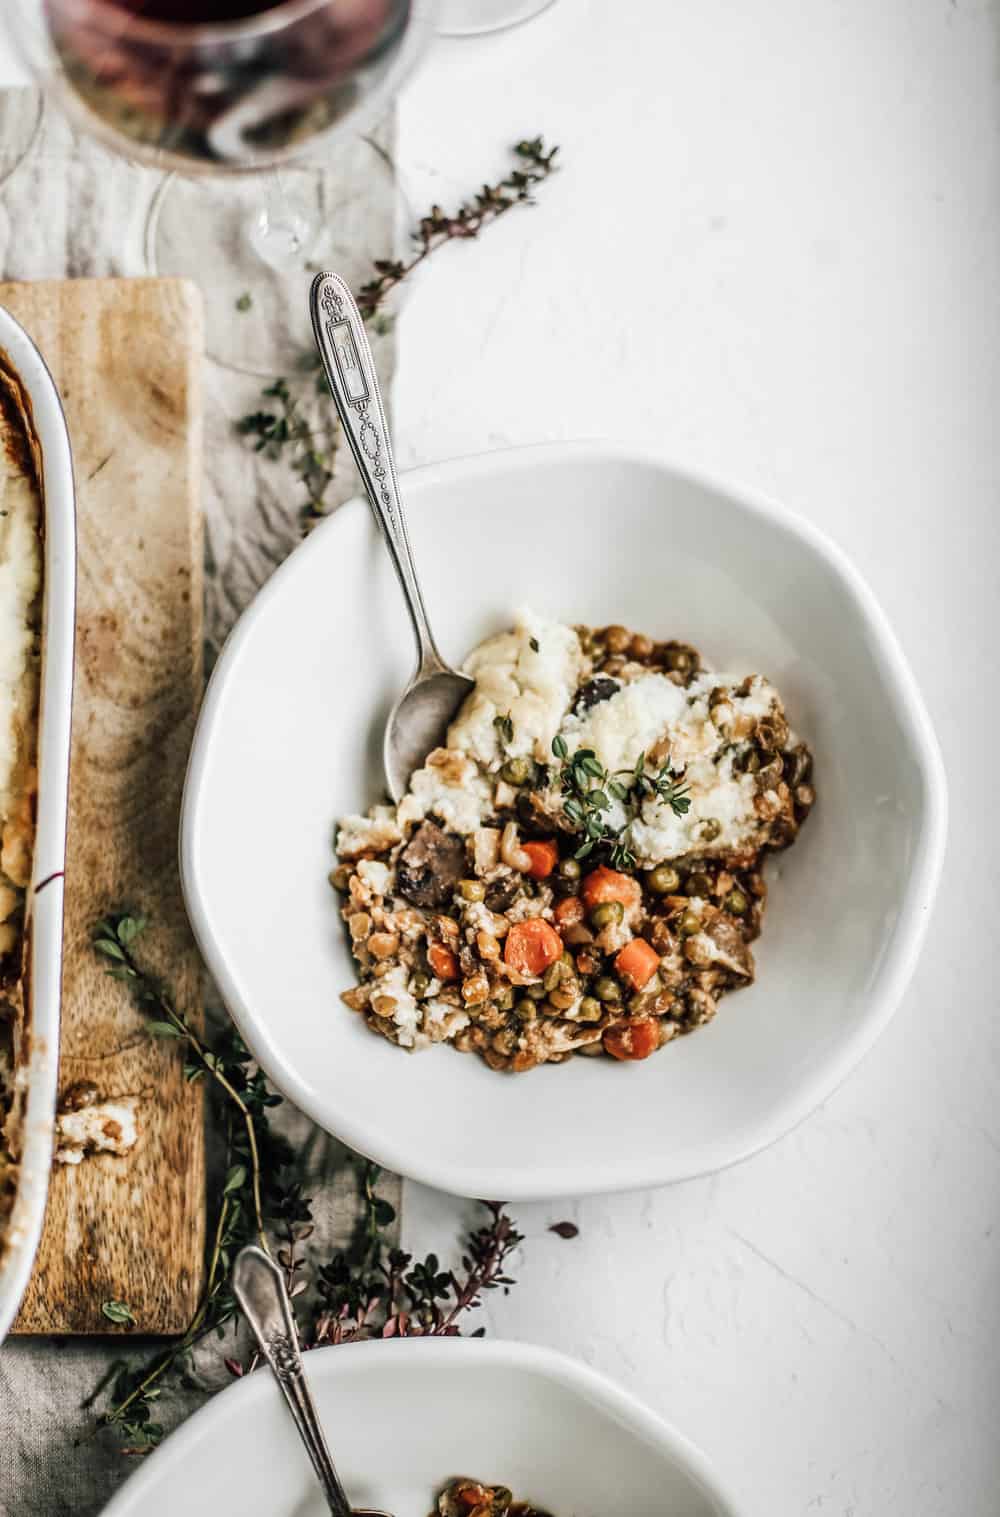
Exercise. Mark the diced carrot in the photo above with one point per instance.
(531, 946)
(633, 1040)
(443, 962)
(569, 912)
(544, 857)
(637, 962)
(603, 884)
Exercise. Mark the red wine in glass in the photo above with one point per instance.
(229, 84)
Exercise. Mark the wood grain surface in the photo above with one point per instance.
(126, 357)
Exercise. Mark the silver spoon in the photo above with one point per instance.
(419, 719)
(259, 1287)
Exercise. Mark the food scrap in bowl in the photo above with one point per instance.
(471, 1498)
(579, 869)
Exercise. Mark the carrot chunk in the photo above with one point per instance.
(633, 1040)
(443, 962)
(544, 857)
(531, 946)
(637, 962)
(603, 884)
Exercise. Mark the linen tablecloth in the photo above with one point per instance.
(70, 208)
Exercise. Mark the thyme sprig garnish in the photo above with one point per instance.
(310, 445)
(256, 1181)
(114, 938)
(395, 1296)
(291, 429)
(589, 791)
(370, 1290)
(534, 165)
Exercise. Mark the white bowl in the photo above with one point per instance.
(44, 909)
(404, 1417)
(289, 740)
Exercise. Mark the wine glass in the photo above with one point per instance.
(254, 88)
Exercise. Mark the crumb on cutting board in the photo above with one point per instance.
(87, 1123)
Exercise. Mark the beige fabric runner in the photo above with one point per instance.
(70, 208)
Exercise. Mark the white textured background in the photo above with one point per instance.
(774, 249)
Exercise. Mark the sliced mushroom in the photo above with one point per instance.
(726, 943)
(598, 689)
(430, 866)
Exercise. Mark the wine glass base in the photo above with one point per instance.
(252, 243)
(248, 242)
(21, 112)
(474, 18)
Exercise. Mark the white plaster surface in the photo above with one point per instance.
(774, 249)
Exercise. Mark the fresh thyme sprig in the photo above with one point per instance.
(255, 1178)
(372, 1290)
(589, 790)
(114, 938)
(394, 1296)
(291, 428)
(310, 446)
(534, 164)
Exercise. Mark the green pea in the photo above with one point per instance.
(663, 880)
(710, 829)
(553, 976)
(699, 884)
(516, 771)
(608, 913)
(536, 992)
(570, 869)
(419, 984)
(689, 924)
(607, 989)
(472, 890)
(526, 1011)
(591, 1009)
(737, 903)
(505, 998)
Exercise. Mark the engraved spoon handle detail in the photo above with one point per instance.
(260, 1290)
(350, 371)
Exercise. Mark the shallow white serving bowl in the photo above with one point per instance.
(404, 1417)
(289, 739)
(45, 897)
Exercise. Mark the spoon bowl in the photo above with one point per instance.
(418, 722)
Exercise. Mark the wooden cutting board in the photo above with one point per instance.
(126, 357)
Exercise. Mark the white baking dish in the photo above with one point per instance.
(44, 923)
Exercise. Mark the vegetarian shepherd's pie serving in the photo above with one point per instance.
(578, 870)
(20, 622)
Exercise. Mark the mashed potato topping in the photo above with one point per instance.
(577, 870)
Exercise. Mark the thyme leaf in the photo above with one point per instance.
(589, 789)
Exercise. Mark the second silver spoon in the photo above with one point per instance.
(259, 1287)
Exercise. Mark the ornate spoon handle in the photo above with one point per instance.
(343, 345)
(260, 1290)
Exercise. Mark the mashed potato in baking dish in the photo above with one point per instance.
(578, 869)
(20, 610)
